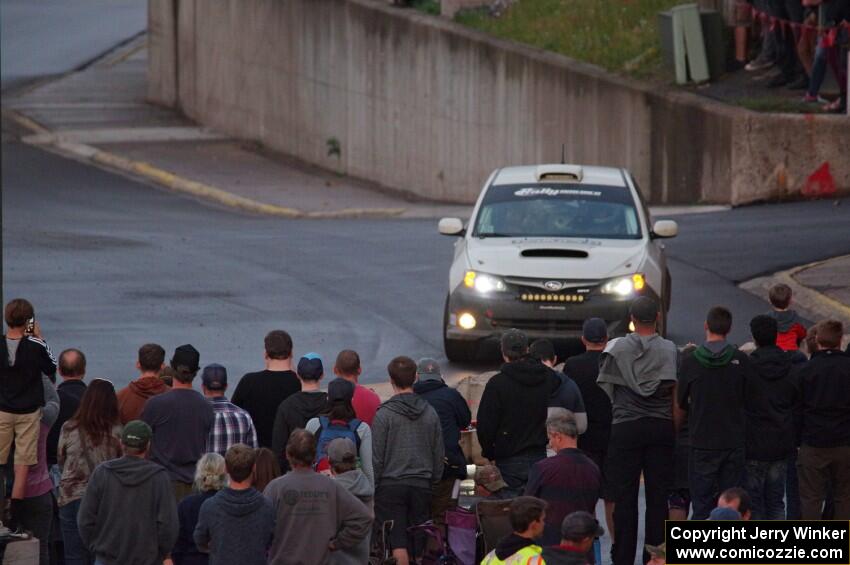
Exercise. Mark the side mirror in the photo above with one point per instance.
(664, 229)
(451, 226)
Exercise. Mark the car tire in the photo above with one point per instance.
(460, 351)
(457, 351)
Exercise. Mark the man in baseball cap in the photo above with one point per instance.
(301, 407)
(454, 417)
(128, 513)
(578, 531)
(583, 370)
(512, 412)
(185, 362)
(232, 424)
(489, 483)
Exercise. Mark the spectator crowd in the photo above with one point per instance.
(287, 471)
(796, 42)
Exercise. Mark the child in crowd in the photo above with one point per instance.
(791, 330)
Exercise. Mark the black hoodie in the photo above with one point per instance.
(712, 379)
(511, 544)
(454, 416)
(236, 526)
(825, 380)
(294, 413)
(770, 398)
(128, 515)
(512, 412)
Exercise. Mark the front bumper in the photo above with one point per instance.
(539, 314)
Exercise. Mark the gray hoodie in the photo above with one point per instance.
(358, 484)
(128, 515)
(637, 373)
(413, 452)
(236, 526)
(312, 510)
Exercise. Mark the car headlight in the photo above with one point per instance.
(625, 286)
(483, 283)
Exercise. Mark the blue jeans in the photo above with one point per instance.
(710, 472)
(765, 481)
(515, 470)
(75, 551)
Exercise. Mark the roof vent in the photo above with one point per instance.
(559, 173)
(557, 253)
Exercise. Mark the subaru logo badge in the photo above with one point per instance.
(553, 285)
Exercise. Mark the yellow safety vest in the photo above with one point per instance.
(528, 555)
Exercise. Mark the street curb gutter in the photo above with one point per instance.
(817, 305)
(180, 184)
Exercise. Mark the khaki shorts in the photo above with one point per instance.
(23, 430)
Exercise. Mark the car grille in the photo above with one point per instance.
(537, 324)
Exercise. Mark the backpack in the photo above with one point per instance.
(330, 430)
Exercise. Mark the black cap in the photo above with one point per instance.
(514, 341)
(186, 356)
(340, 390)
(594, 330)
(310, 367)
(580, 525)
(644, 309)
(214, 377)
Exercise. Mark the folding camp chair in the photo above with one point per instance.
(494, 521)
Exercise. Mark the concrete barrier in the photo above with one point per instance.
(421, 104)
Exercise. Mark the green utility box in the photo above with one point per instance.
(712, 31)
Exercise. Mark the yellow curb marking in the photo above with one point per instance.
(25, 122)
(44, 136)
(826, 301)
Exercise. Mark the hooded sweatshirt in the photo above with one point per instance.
(311, 510)
(771, 396)
(454, 416)
(512, 412)
(294, 413)
(357, 484)
(128, 515)
(712, 380)
(563, 555)
(132, 398)
(407, 442)
(790, 329)
(637, 373)
(236, 526)
(512, 543)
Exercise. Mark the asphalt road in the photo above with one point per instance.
(46, 37)
(111, 263)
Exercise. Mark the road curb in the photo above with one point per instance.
(815, 304)
(176, 183)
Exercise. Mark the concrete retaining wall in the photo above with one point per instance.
(427, 106)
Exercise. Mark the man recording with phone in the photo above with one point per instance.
(24, 357)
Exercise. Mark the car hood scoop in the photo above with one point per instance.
(555, 253)
(555, 258)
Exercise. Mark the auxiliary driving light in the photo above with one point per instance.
(466, 321)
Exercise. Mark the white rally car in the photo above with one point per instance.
(547, 247)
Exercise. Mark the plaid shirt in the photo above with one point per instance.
(232, 425)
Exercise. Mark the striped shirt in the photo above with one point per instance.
(232, 425)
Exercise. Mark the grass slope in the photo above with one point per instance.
(619, 35)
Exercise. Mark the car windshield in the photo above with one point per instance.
(558, 210)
